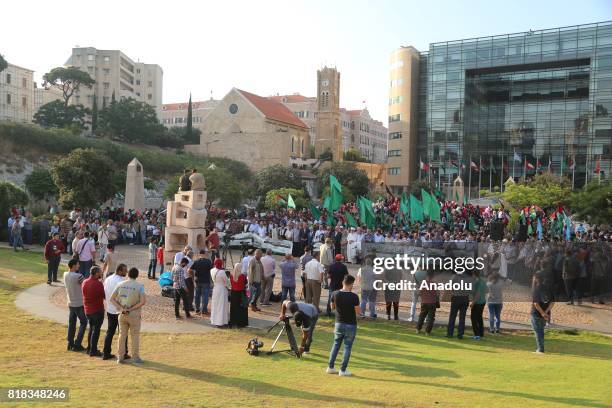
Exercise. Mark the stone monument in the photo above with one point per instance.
(186, 219)
(458, 188)
(134, 186)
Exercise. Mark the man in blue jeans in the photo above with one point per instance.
(346, 305)
(201, 272)
(72, 282)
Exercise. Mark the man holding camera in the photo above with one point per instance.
(305, 316)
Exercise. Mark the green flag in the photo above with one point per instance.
(366, 213)
(472, 224)
(327, 205)
(529, 230)
(404, 208)
(335, 198)
(434, 210)
(350, 220)
(290, 202)
(427, 199)
(316, 214)
(334, 183)
(416, 209)
(457, 196)
(465, 200)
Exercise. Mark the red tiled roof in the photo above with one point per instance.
(354, 112)
(273, 110)
(292, 98)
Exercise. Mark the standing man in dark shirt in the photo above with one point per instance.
(337, 238)
(540, 310)
(346, 304)
(200, 269)
(53, 254)
(337, 272)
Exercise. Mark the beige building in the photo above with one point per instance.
(115, 72)
(252, 129)
(403, 97)
(175, 114)
(362, 133)
(16, 94)
(44, 95)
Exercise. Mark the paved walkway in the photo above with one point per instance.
(48, 302)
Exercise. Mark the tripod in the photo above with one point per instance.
(286, 327)
(226, 250)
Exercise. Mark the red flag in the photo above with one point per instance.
(474, 166)
(571, 164)
(424, 166)
(598, 166)
(528, 165)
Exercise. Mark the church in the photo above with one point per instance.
(252, 129)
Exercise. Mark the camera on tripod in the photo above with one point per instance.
(254, 346)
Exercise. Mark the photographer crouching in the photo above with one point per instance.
(305, 316)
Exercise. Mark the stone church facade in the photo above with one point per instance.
(252, 129)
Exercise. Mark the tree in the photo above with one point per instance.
(354, 155)
(10, 196)
(68, 80)
(130, 121)
(40, 184)
(273, 198)
(349, 175)
(84, 178)
(224, 188)
(326, 155)
(277, 176)
(56, 114)
(3, 63)
(545, 190)
(593, 203)
(189, 129)
(177, 136)
(94, 114)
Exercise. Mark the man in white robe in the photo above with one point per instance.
(351, 246)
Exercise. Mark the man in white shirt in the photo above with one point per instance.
(86, 248)
(181, 255)
(313, 272)
(245, 262)
(112, 313)
(220, 225)
(267, 281)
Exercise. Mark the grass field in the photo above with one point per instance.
(392, 366)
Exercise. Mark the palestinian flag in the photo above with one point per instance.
(280, 200)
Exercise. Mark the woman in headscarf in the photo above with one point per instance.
(239, 312)
(220, 306)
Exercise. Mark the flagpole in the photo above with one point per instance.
(420, 165)
(479, 173)
(470, 179)
(439, 181)
(562, 160)
(599, 172)
(501, 176)
(491, 173)
(573, 170)
(586, 170)
(513, 160)
(525, 168)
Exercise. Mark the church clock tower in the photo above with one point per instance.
(328, 129)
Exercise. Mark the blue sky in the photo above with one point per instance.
(269, 47)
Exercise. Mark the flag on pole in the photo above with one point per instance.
(474, 166)
(528, 166)
(416, 209)
(335, 191)
(404, 208)
(350, 220)
(570, 164)
(424, 166)
(471, 224)
(316, 214)
(517, 157)
(434, 210)
(426, 198)
(280, 200)
(290, 202)
(598, 166)
(334, 183)
(366, 213)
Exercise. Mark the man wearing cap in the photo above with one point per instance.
(337, 272)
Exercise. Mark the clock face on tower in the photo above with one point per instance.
(233, 108)
(325, 82)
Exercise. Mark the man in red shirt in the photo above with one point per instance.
(53, 254)
(213, 243)
(93, 302)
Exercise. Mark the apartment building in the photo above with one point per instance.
(16, 94)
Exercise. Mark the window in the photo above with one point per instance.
(149, 96)
(24, 101)
(8, 79)
(292, 145)
(138, 70)
(395, 118)
(150, 84)
(394, 100)
(106, 85)
(395, 153)
(24, 82)
(107, 59)
(106, 71)
(137, 93)
(90, 57)
(138, 82)
(393, 171)
(396, 82)
(8, 99)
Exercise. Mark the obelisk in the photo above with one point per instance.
(134, 186)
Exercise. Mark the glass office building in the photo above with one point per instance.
(517, 104)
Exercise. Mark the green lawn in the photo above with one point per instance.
(392, 365)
